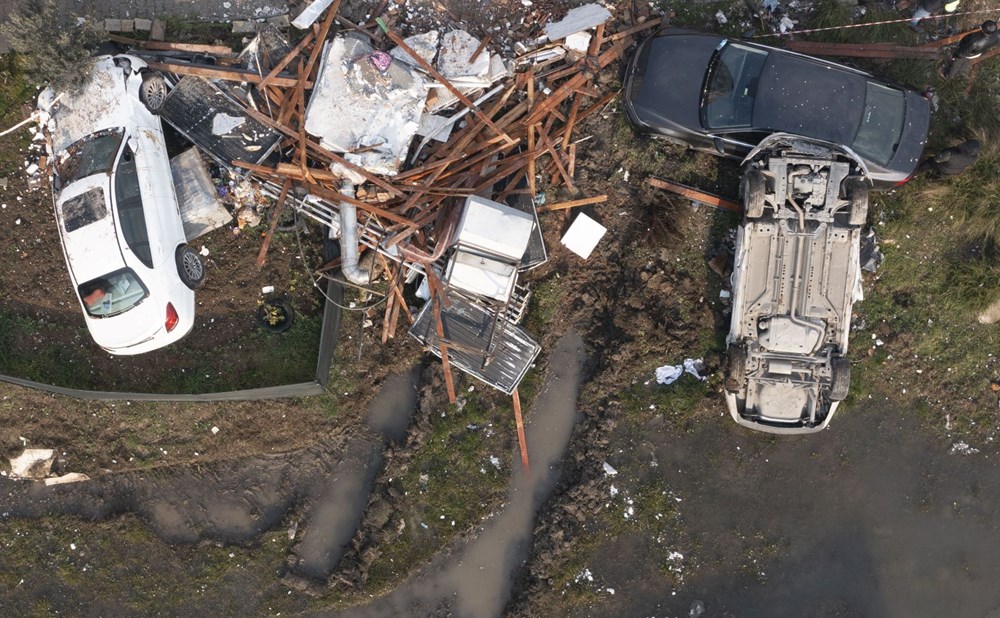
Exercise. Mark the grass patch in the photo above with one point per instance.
(450, 485)
(90, 561)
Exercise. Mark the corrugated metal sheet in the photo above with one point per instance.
(467, 330)
(191, 108)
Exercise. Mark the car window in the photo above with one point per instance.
(732, 86)
(94, 154)
(113, 293)
(881, 123)
(84, 209)
(130, 211)
(751, 138)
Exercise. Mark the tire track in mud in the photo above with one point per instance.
(476, 580)
(235, 501)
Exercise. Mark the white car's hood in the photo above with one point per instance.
(92, 249)
(98, 104)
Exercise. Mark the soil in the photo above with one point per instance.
(872, 517)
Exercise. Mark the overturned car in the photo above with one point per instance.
(796, 277)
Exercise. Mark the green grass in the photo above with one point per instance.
(86, 561)
(450, 484)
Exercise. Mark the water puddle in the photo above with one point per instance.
(477, 580)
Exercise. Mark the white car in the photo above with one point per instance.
(116, 209)
(796, 276)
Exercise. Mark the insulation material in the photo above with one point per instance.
(355, 106)
(577, 20)
(426, 46)
(454, 62)
(201, 210)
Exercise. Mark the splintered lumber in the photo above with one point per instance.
(292, 55)
(194, 48)
(521, 442)
(694, 194)
(437, 293)
(279, 206)
(862, 50)
(321, 37)
(427, 66)
(597, 199)
(326, 154)
(215, 72)
(560, 95)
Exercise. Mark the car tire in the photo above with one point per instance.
(753, 189)
(153, 91)
(857, 193)
(736, 366)
(190, 267)
(840, 378)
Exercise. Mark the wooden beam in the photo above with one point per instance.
(597, 199)
(321, 37)
(694, 194)
(194, 48)
(866, 50)
(521, 441)
(326, 154)
(279, 206)
(435, 287)
(214, 72)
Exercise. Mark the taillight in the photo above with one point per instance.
(172, 318)
(905, 180)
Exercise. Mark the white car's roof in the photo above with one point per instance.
(100, 103)
(92, 249)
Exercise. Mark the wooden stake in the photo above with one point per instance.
(597, 199)
(694, 194)
(278, 208)
(434, 284)
(521, 441)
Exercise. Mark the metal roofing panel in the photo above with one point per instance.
(467, 330)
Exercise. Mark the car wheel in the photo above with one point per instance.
(153, 91)
(857, 193)
(190, 267)
(840, 378)
(736, 367)
(753, 193)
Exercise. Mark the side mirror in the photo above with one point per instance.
(132, 144)
(720, 146)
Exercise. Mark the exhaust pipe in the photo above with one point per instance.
(349, 257)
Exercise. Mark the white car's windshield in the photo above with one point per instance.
(112, 294)
(93, 154)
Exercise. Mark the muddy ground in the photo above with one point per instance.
(877, 516)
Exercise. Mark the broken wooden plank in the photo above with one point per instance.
(321, 37)
(865, 50)
(694, 194)
(214, 72)
(597, 199)
(435, 286)
(519, 422)
(279, 206)
(326, 154)
(195, 48)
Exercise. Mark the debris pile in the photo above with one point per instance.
(423, 155)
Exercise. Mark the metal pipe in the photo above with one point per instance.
(349, 257)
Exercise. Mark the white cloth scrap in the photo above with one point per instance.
(668, 374)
